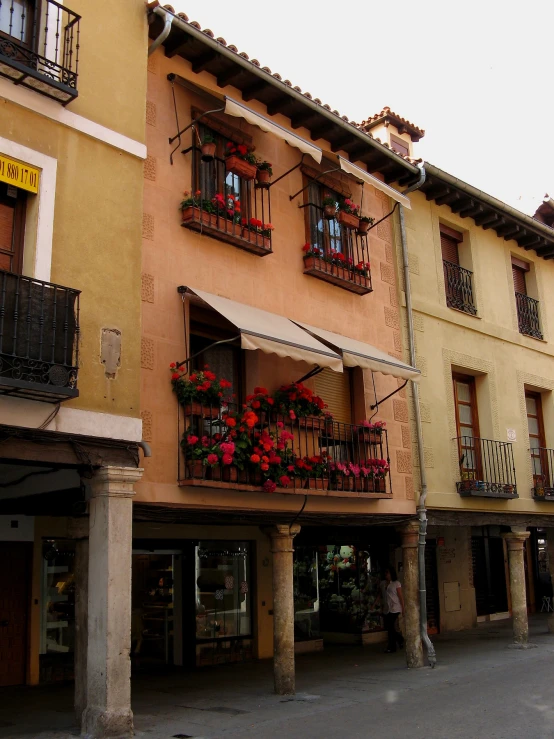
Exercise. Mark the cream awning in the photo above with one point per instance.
(358, 354)
(363, 176)
(271, 333)
(241, 111)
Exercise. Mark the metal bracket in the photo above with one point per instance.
(315, 179)
(312, 373)
(398, 389)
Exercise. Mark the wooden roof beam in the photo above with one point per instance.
(459, 204)
(436, 190)
(318, 132)
(277, 105)
(471, 210)
(228, 75)
(527, 240)
(301, 119)
(508, 230)
(496, 223)
(341, 142)
(178, 45)
(486, 217)
(203, 61)
(250, 92)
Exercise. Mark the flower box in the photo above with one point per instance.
(374, 485)
(197, 215)
(230, 473)
(240, 167)
(348, 220)
(316, 483)
(256, 238)
(197, 409)
(371, 436)
(195, 468)
(317, 263)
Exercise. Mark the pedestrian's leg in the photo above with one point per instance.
(389, 620)
(398, 632)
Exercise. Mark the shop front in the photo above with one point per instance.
(337, 586)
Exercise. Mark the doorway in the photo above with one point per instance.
(432, 587)
(489, 572)
(14, 587)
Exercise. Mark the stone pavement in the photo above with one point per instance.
(479, 688)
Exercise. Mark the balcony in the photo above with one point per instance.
(528, 316)
(39, 47)
(486, 468)
(39, 333)
(542, 461)
(459, 288)
(316, 456)
(338, 255)
(211, 209)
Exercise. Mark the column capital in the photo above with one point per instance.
(281, 536)
(115, 482)
(516, 538)
(410, 534)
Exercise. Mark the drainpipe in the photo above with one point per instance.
(421, 509)
(168, 18)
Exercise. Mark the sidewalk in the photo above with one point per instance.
(349, 682)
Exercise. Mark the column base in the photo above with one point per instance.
(98, 724)
(525, 645)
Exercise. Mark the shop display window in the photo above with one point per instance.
(306, 594)
(58, 597)
(223, 602)
(350, 589)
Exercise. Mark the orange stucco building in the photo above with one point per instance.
(218, 290)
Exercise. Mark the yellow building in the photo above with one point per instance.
(481, 276)
(71, 160)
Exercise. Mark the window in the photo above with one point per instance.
(537, 443)
(527, 307)
(458, 283)
(12, 227)
(336, 389)
(467, 426)
(338, 254)
(400, 145)
(16, 20)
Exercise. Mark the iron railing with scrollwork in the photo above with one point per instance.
(39, 333)
(528, 316)
(39, 46)
(459, 288)
(486, 468)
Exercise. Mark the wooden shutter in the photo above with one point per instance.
(12, 229)
(449, 246)
(334, 388)
(519, 280)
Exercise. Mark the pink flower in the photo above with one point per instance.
(213, 459)
(269, 486)
(284, 481)
(227, 447)
(280, 424)
(192, 439)
(227, 459)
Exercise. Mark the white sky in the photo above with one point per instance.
(475, 75)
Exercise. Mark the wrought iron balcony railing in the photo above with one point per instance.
(337, 254)
(528, 316)
(227, 207)
(486, 468)
(542, 461)
(39, 338)
(459, 288)
(39, 46)
(311, 454)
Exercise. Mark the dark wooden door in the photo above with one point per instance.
(14, 590)
(489, 575)
(432, 587)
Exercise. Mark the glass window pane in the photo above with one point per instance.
(531, 404)
(463, 391)
(58, 597)
(534, 442)
(464, 414)
(533, 425)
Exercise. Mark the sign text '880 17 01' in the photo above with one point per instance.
(19, 174)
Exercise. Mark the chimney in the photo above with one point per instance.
(399, 133)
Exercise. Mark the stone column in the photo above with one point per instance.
(283, 607)
(108, 711)
(550, 543)
(410, 590)
(78, 530)
(515, 541)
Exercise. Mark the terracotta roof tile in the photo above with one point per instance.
(362, 127)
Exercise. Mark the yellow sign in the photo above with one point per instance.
(19, 174)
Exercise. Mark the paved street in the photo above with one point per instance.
(480, 688)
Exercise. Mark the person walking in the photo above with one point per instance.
(394, 602)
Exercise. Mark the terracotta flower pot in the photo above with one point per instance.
(197, 215)
(358, 485)
(240, 167)
(263, 177)
(208, 152)
(363, 227)
(255, 477)
(348, 220)
(195, 468)
(193, 409)
(230, 473)
(256, 238)
(214, 473)
(316, 483)
(368, 484)
(329, 212)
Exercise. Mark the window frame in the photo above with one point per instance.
(544, 477)
(476, 450)
(15, 255)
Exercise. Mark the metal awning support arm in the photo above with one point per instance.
(207, 348)
(312, 373)
(384, 218)
(314, 179)
(377, 402)
(300, 163)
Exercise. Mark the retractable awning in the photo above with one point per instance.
(364, 176)
(241, 111)
(358, 354)
(271, 333)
